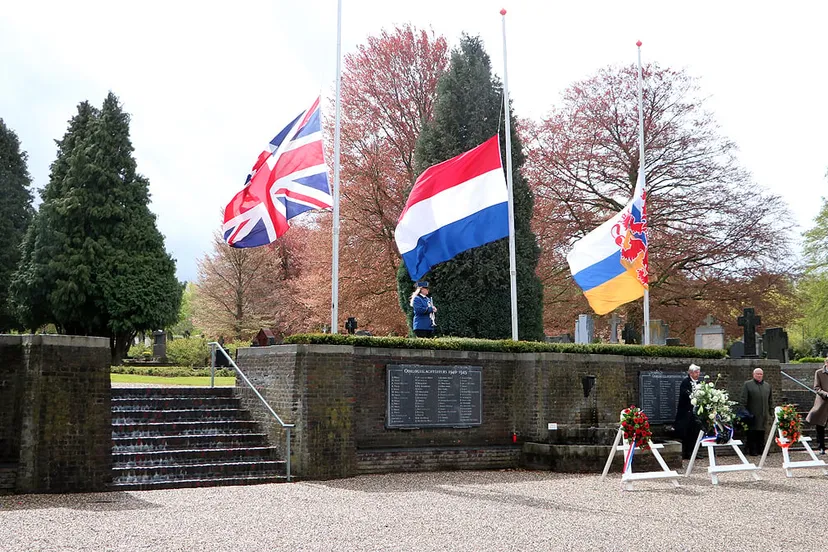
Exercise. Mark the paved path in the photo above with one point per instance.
(496, 510)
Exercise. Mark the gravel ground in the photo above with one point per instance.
(495, 510)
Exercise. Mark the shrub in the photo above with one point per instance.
(170, 371)
(803, 360)
(140, 351)
(504, 346)
(192, 351)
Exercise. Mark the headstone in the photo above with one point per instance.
(351, 325)
(749, 321)
(159, 345)
(584, 329)
(775, 344)
(737, 350)
(673, 342)
(630, 334)
(658, 332)
(563, 338)
(710, 336)
(615, 321)
(264, 338)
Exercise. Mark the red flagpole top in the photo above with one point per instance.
(638, 44)
(503, 11)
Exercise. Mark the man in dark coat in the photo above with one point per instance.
(757, 398)
(687, 423)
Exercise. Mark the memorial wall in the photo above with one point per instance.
(368, 410)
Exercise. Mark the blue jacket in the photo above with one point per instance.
(423, 307)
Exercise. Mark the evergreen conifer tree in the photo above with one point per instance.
(472, 291)
(95, 262)
(15, 216)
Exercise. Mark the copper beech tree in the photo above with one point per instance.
(717, 240)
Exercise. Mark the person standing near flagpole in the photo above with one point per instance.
(424, 322)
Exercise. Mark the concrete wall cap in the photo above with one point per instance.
(55, 340)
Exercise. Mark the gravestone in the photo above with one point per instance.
(673, 342)
(749, 321)
(710, 336)
(584, 328)
(563, 338)
(351, 325)
(737, 350)
(615, 321)
(658, 332)
(159, 345)
(775, 344)
(630, 334)
(264, 338)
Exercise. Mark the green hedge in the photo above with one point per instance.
(809, 360)
(170, 371)
(504, 346)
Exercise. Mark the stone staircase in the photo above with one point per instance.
(174, 437)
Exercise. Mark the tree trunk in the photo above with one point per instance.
(119, 346)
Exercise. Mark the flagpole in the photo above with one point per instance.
(512, 263)
(335, 262)
(642, 177)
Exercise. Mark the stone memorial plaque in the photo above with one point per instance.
(433, 396)
(658, 393)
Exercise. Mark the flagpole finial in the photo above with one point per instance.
(503, 11)
(638, 44)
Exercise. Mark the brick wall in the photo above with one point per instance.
(336, 396)
(794, 393)
(60, 425)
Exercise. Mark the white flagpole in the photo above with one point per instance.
(641, 175)
(512, 263)
(335, 263)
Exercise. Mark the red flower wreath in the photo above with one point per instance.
(636, 426)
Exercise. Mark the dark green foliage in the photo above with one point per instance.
(504, 346)
(94, 262)
(472, 291)
(15, 216)
(171, 371)
(808, 360)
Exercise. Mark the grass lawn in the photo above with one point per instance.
(184, 380)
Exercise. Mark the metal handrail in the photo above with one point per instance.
(809, 388)
(287, 427)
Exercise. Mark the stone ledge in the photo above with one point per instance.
(53, 340)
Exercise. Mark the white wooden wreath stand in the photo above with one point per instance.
(713, 469)
(787, 465)
(628, 477)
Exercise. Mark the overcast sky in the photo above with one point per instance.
(207, 87)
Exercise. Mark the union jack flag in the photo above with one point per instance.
(289, 178)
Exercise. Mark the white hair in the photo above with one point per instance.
(413, 295)
(694, 368)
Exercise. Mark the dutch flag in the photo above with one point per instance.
(454, 206)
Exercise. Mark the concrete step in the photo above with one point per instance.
(192, 456)
(181, 442)
(205, 482)
(211, 427)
